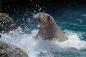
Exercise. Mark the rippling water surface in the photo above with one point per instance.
(70, 21)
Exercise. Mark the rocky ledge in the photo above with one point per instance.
(8, 50)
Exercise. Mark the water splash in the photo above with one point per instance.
(46, 48)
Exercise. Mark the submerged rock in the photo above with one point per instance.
(7, 50)
(6, 23)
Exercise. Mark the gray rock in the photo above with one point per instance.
(8, 50)
(6, 23)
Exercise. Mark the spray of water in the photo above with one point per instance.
(35, 48)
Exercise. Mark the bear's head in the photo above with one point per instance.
(43, 18)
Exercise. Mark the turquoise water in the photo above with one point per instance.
(72, 21)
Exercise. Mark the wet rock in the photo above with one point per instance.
(6, 23)
(8, 50)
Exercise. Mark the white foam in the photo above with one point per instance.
(73, 40)
(35, 47)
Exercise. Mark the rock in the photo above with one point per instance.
(8, 50)
(6, 23)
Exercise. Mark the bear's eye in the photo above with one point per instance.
(39, 20)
